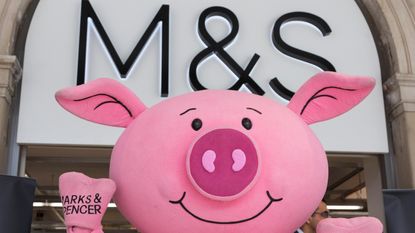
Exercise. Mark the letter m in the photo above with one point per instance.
(87, 12)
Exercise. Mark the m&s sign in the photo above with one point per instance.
(161, 49)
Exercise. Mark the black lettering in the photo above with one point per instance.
(66, 200)
(75, 208)
(73, 199)
(288, 50)
(217, 48)
(162, 16)
(83, 209)
(81, 199)
(91, 209)
(69, 209)
(97, 198)
(97, 209)
(88, 199)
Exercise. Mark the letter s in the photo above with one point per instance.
(297, 53)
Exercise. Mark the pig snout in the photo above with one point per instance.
(223, 164)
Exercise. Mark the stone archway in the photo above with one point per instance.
(11, 14)
(393, 25)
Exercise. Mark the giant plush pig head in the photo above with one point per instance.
(217, 161)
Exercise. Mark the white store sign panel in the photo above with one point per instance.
(161, 49)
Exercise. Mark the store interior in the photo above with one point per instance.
(346, 194)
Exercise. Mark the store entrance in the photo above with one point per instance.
(354, 186)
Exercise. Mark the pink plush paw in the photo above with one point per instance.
(352, 225)
(74, 229)
(85, 201)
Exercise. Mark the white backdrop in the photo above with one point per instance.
(51, 58)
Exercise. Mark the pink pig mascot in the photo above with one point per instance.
(210, 161)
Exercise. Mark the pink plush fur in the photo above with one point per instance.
(103, 101)
(216, 161)
(85, 201)
(329, 94)
(353, 225)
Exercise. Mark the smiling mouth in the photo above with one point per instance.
(271, 200)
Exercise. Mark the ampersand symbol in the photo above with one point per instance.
(217, 48)
(97, 198)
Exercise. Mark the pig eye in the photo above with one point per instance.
(196, 124)
(247, 123)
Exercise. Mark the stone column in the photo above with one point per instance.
(399, 88)
(10, 74)
(393, 24)
(400, 95)
(11, 14)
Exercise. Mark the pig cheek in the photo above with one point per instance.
(293, 169)
(145, 185)
(163, 179)
(172, 178)
(159, 167)
(172, 184)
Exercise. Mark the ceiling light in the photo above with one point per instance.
(345, 207)
(59, 204)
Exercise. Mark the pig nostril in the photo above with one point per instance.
(239, 159)
(208, 160)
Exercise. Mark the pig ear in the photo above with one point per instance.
(104, 101)
(329, 94)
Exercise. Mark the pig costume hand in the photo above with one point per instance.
(352, 225)
(217, 161)
(84, 201)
